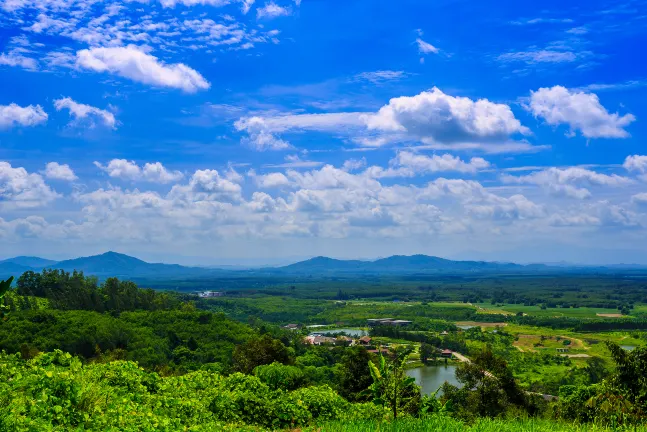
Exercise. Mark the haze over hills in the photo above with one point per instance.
(124, 266)
(403, 264)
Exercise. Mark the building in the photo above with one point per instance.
(387, 321)
(319, 340)
(444, 333)
(379, 321)
(208, 294)
(446, 353)
(401, 322)
(562, 350)
(365, 340)
(291, 326)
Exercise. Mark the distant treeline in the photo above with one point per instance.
(75, 291)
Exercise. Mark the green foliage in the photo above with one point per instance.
(54, 391)
(279, 376)
(66, 290)
(355, 374)
(159, 340)
(391, 387)
(261, 351)
(5, 285)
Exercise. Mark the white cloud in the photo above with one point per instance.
(380, 77)
(247, 5)
(271, 180)
(129, 170)
(20, 189)
(636, 163)
(261, 130)
(14, 115)
(580, 111)
(294, 161)
(207, 185)
(132, 63)
(639, 199)
(271, 10)
(426, 47)
(354, 164)
(543, 56)
(15, 58)
(56, 171)
(569, 182)
(437, 120)
(85, 114)
(437, 116)
(409, 164)
(215, 3)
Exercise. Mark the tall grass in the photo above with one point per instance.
(450, 425)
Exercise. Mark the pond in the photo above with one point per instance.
(628, 347)
(432, 377)
(350, 332)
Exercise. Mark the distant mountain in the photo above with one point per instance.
(29, 261)
(8, 269)
(124, 266)
(402, 264)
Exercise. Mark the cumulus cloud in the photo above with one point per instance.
(271, 180)
(581, 111)
(85, 114)
(56, 171)
(129, 170)
(271, 10)
(437, 116)
(13, 115)
(570, 182)
(21, 189)
(409, 164)
(432, 118)
(208, 185)
(132, 63)
(636, 163)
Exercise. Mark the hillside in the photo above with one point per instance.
(403, 264)
(125, 266)
(29, 261)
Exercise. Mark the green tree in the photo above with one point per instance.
(5, 285)
(426, 352)
(261, 351)
(355, 374)
(391, 386)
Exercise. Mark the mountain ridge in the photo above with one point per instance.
(124, 266)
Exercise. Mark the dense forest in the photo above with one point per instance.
(82, 354)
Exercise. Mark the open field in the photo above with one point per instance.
(581, 312)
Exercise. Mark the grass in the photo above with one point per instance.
(582, 312)
(450, 425)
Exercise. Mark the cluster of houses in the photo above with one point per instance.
(320, 339)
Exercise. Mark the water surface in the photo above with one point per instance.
(432, 377)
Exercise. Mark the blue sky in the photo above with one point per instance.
(225, 131)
